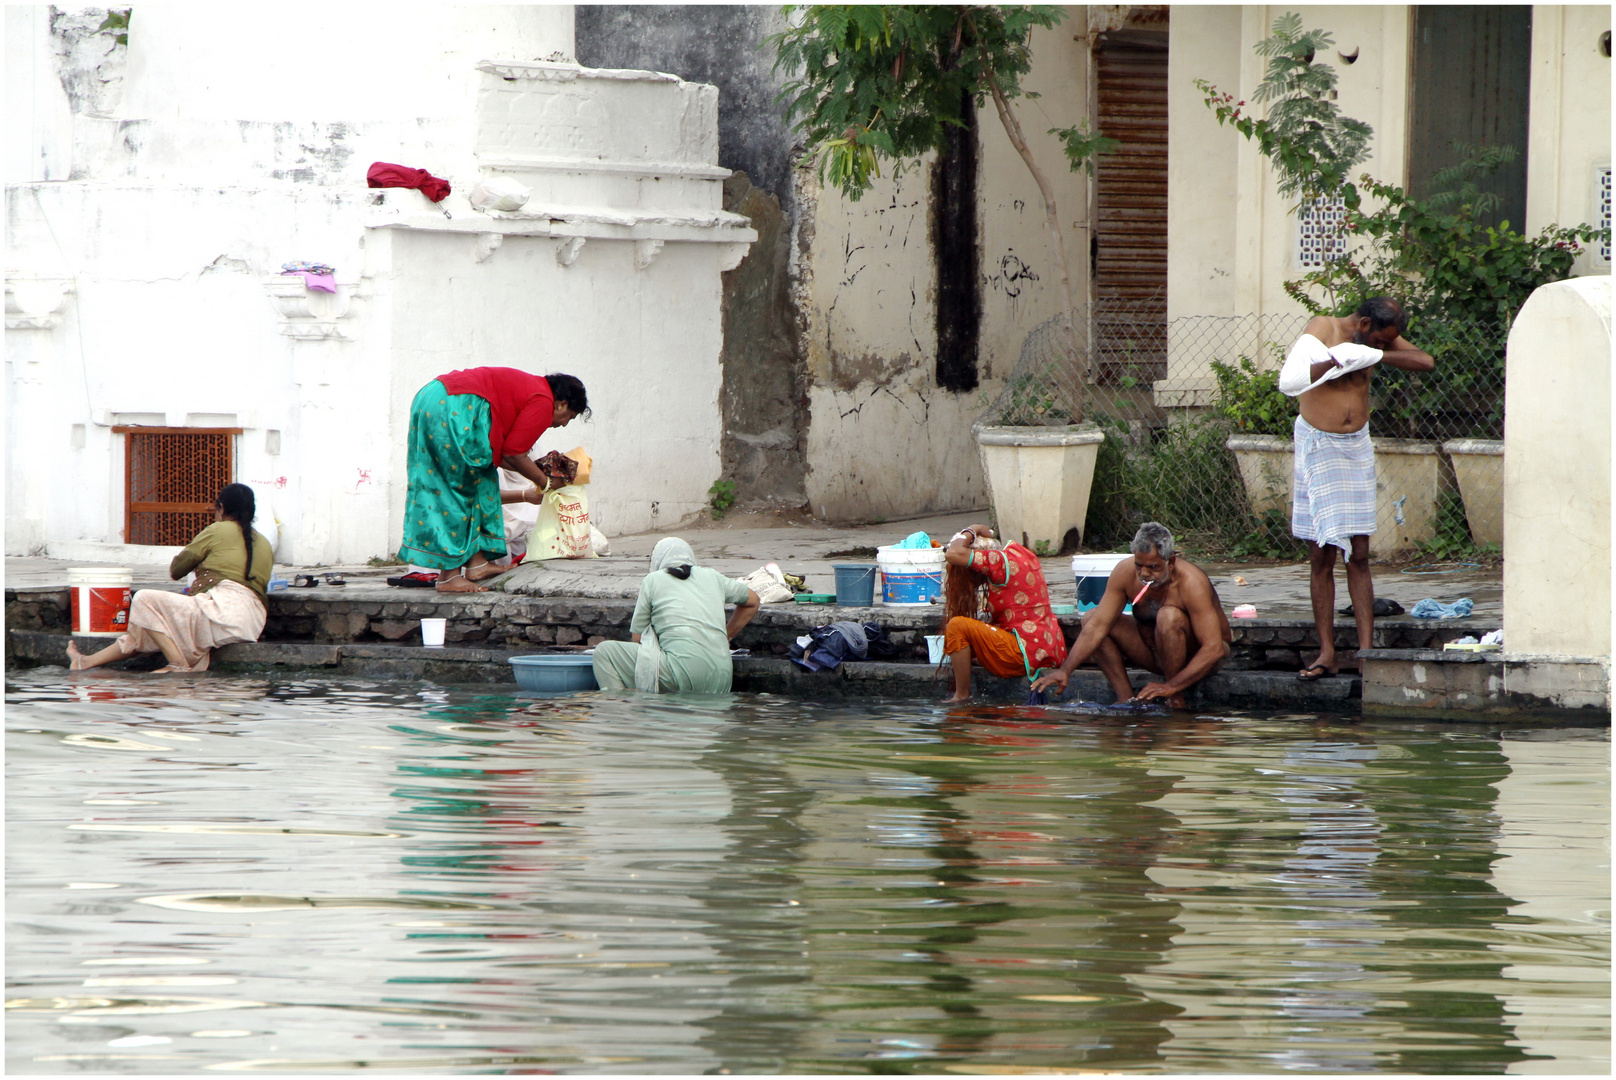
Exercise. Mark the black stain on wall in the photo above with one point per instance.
(957, 253)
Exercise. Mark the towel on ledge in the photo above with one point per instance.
(1309, 350)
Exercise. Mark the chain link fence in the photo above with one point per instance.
(1198, 436)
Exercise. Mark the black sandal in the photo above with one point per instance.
(335, 579)
(305, 581)
(1321, 672)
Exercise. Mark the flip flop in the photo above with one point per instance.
(335, 579)
(416, 580)
(305, 581)
(1323, 673)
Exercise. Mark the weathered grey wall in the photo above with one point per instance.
(720, 44)
(764, 396)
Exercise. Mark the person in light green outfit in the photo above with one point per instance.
(681, 641)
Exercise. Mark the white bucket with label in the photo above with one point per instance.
(101, 596)
(910, 576)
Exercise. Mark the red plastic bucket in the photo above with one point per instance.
(101, 597)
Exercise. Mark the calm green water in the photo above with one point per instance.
(249, 875)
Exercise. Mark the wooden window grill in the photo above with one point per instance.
(171, 478)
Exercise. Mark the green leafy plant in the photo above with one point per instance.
(1250, 400)
(721, 496)
(1032, 399)
(116, 23)
(1433, 253)
(1461, 281)
(877, 81)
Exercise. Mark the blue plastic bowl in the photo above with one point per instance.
(555, 674)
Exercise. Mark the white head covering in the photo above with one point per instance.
(669, 551)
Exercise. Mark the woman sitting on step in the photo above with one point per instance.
(1006, 584)
(681, 640)
(226, 603)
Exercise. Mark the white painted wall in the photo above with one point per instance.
(1569, 122)
(1557, 462)
(884, 440)
(142, 275)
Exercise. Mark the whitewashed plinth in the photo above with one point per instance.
(1039, 479)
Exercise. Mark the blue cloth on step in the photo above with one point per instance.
(1435, 609)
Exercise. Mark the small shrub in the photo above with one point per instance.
(1249, 399)
(721, 496)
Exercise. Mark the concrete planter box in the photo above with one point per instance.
(1478, 464)
(1266, 463)
(1039, 479)
(1408, 479)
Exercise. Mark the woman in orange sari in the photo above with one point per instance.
(1020, 636)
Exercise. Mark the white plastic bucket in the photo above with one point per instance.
(1096, 571)
(101, 596)
(432, 632)
(910, 576)
(934, 648)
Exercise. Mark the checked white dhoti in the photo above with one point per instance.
(1333, 486)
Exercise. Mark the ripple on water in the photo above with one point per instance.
(461, 878)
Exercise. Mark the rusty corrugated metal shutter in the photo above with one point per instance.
(1130, 213)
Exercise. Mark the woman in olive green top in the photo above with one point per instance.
(681, 640)
(227, 602)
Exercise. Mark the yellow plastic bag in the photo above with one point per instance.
(562, 531)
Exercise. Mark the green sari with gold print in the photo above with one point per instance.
(451, 510)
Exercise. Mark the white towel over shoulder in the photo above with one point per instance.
(1309, 350)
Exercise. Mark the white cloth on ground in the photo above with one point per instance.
(1295, 376)
(195, 624)
(519, 517)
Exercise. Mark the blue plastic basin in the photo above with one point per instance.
(555, 674)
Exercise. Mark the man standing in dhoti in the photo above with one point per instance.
(1333, 503)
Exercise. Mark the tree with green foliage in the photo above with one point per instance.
(888, 81)
(1434, 253)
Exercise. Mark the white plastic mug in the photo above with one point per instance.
(432, 632)
(934, 648)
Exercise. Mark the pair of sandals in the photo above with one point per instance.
(309, 581)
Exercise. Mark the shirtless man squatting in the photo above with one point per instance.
(1333, 484)
(1177, 630)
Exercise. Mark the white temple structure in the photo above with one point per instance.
(154, 190)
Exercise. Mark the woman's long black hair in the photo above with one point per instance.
(239, 505)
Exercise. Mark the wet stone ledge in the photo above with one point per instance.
(381, 615)
(754, 674)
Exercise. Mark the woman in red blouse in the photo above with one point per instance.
(464, 427)
(1021, 636)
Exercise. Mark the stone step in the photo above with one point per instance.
(376, 614)
(756, 674)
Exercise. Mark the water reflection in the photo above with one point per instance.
(312, 876)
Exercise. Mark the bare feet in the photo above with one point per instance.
(171, 669)
(956, 699)
(75, 659)
(457, 583)
(484, 572)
